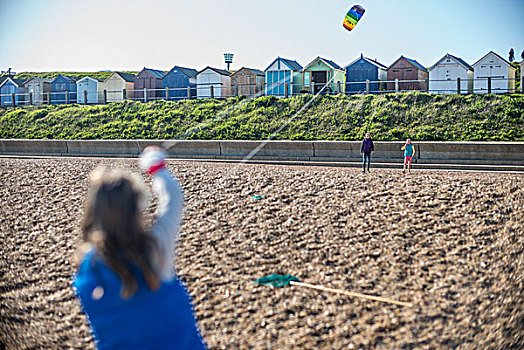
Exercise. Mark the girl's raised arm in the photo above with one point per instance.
(170, 207)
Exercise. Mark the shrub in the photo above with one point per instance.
(421, 116)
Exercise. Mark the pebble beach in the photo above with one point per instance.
(449, 243)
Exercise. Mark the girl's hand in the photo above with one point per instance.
(152, 159)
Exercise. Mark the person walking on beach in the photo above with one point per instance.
(125, 279)
(366, 149)
(409, 153)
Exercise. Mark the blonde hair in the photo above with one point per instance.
(113, 226)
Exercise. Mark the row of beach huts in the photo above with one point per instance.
(282, 78)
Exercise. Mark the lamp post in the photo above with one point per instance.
(9, 73)
(228, 58)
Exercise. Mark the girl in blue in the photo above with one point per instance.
(125, 279)
(409, 153)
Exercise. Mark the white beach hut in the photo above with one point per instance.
(213, 83)
(444, 75)
(38, 88)
(87, 90)
(492, 67)
(115, 84)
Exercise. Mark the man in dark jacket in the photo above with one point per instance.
(366, 149)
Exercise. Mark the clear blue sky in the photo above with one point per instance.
(93, 35)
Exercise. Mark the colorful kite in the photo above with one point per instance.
(353, 16)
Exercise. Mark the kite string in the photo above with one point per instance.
(206, 123)
(276, 132)
(257, 149)
(263, 143)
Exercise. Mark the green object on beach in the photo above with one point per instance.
(258, 197)
(276, 280)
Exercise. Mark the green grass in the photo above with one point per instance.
(420, 116)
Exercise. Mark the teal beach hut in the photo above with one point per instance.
(283, 78)
(324, 75)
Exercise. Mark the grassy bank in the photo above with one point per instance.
(420, 116)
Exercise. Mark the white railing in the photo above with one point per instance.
(280, 89)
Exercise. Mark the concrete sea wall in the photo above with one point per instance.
(318, 152)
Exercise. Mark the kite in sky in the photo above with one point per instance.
(353, 16)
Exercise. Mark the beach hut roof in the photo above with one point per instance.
(42, 80)
(326, 61)
(367, 59)
(125, 76)
(497, 55)
(458, 59)
(189, 72)
(159, 74)
(252, 70)
(293, 65)
(219, 71)
(17, 82)
(412, 61)
(67, 77)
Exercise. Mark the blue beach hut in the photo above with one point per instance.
(59, 86)
(9, 87)
(177, 80)
(362, 69)
(282, 73)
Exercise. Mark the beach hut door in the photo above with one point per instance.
(320, 79)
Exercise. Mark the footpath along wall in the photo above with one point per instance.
(466, 153)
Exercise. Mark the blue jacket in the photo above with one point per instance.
(161, 319)
(367, 146)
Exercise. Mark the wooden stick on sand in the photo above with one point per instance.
(351, 294)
